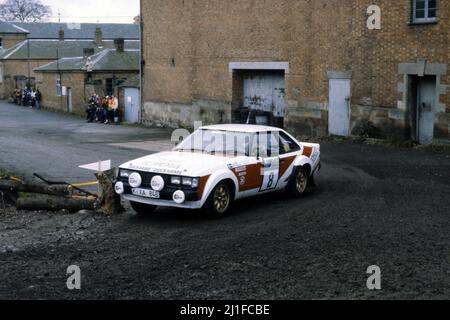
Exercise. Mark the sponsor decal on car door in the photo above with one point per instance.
(271, 173)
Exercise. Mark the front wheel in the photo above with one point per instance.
(299, 183)
(220, 200)
(141, 208)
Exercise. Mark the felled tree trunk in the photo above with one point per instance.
(17, 186)
(37, 202)
(108, 201)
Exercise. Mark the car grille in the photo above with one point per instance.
(147, 178)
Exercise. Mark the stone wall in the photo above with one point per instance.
(81, 89)
(11, 39)
(18, 68)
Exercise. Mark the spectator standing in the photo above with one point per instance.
(115, 108)
(38, 98)
(17, 96)
(92, 108)
(102, 110)
(32, 98)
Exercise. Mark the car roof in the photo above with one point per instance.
(247, 128)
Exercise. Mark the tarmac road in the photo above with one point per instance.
(373, 206)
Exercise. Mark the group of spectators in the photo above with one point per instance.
(27, 97)
(104, 110)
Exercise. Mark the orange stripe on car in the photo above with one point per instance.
(285, 163)
(202, 186)
(307, 151)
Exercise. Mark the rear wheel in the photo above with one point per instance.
(141, 208)
(220, 200)
(299, 183)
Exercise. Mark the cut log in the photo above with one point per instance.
(40, 202)
(16, 186)
(108, 201)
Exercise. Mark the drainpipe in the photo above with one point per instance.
(29, 64)
(141, 68)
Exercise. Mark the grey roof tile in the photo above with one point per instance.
(6, 27)
(80, 31)
(106, 60)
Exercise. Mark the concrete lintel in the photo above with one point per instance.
(267, 65)
(422, 68)
(339, 74)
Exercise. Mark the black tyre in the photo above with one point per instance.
(141, 208)
(299, 183)
(219, 201)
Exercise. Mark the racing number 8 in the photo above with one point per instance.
(270, 182)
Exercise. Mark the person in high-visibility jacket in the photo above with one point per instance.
(113, 109)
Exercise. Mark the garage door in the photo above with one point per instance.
(265, 92)
(132, 105)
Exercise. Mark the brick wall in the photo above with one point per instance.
(188, 46)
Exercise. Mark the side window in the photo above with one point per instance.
(58, 88)
(424, 11)
(1, 42)
(287, 145)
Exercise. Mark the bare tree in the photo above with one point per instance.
(24, 10)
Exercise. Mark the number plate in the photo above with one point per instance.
(146, 193)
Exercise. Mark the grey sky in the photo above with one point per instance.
(104, 11)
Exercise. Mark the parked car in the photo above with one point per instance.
(217, 165)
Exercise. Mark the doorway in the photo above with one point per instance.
(259, 97)
(423, 108)
(131, 105)
(339, 107)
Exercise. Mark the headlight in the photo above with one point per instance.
(191, 182)
(119, 188)
(124, 173)
(187, 182)
(175, 180)
(135, 180)
(157, 183)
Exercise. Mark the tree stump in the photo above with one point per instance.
(108, 200)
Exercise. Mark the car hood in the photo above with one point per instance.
(179, 163)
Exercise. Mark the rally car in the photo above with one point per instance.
(217, 165)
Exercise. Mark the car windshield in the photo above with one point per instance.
(227, 143)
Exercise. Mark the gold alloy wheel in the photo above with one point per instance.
(301, 181)
(221, 199)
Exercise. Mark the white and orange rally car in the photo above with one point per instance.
(217, 165)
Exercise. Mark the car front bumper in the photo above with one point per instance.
(163, 203)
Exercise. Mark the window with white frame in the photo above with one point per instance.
(58, 87)
(1, 73)
(424, 10)
(1, 42)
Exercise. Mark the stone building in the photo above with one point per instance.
(69, 82)
(315, 67)
(26, 46)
